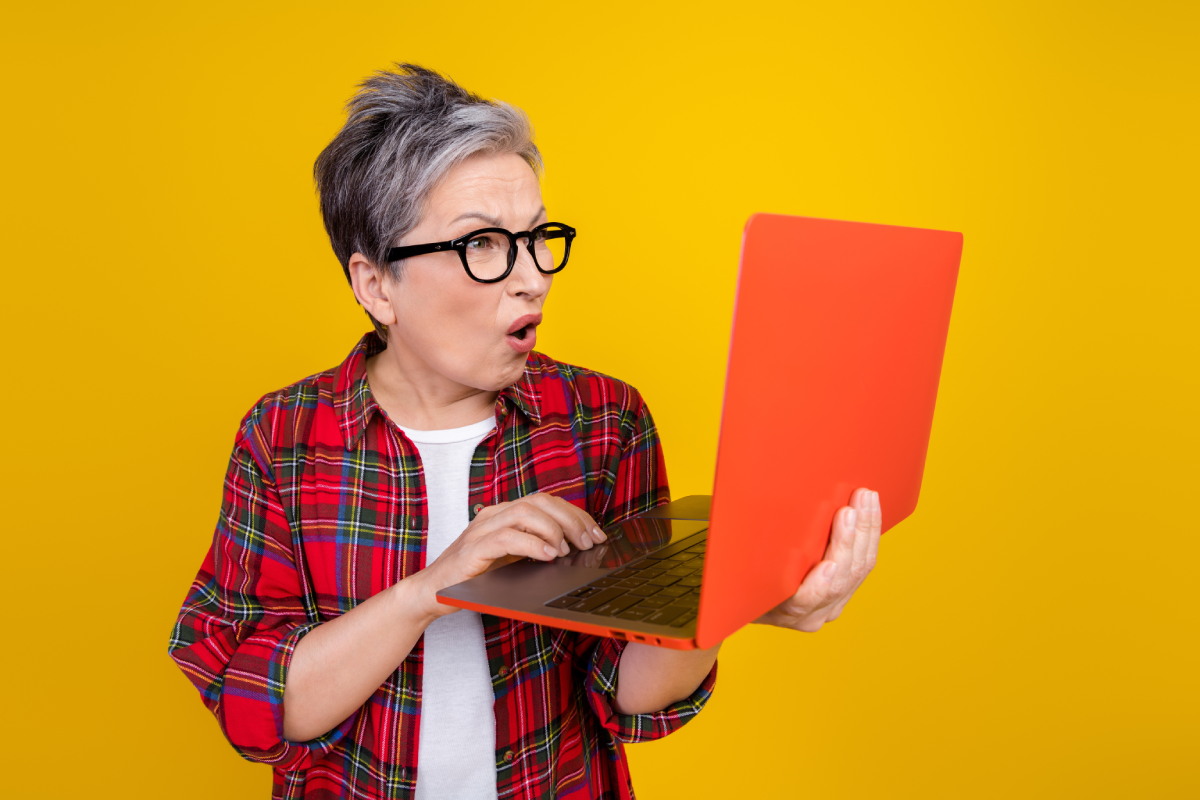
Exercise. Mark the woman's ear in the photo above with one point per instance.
(372, 289)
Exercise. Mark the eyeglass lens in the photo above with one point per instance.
(487, 253)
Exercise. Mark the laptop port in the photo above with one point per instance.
(617, 634)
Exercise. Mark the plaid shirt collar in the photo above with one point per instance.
(356, 405)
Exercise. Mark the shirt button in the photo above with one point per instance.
(478, 508)
(503, 671)
(508, 756)
(413, 522)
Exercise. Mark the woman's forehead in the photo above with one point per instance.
(495, 186)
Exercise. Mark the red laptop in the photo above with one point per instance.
(838, 334)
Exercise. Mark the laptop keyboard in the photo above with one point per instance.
(662, 588)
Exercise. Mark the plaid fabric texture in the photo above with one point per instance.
(324, 506)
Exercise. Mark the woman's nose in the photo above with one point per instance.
(526, 278)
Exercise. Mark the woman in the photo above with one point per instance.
(443, 446)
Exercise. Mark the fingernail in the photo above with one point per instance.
(585, 543)
(875, 499)
(829, 571)
(550, 552)
(599, 535)
(564, 547)
(851, 517)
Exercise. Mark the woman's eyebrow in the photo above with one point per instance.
(490, 220)
(495, 223)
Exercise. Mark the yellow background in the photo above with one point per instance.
(1030, 631)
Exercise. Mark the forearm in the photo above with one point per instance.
(341, 663)
(651, 678)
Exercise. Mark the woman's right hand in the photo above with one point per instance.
(537, 526)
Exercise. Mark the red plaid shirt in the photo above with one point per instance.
(324, 506)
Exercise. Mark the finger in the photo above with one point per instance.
(815, 591)
(514, 542)
(530, 518)
(864, 523)
(838, 606)
(841, 542)
(594, 530)
(576, 523)
(873, 539)
(841, 539)
(835, 609)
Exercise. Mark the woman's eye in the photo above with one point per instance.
(478, 244)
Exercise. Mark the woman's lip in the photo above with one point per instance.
(523, 345)
(521, 322)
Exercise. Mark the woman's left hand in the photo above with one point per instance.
(850, 557)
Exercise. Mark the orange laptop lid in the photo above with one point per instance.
(838, 335)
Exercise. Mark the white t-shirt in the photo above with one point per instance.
(457, 755)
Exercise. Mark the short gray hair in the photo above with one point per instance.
(407, 127)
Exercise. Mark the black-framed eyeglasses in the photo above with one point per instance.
(488, 254)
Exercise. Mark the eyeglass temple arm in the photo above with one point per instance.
(397, 253)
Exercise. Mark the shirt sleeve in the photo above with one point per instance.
(631, 728)
(639, 484)
(243, 617)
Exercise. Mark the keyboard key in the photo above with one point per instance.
(681, 572)
(634, 613)
(598, 599)
(674, 591)
(563, 602)
(644, 591)
(631, 583)
(689, 600)
(693, 581)
(664, 616)
(603, 582)
(614, 607)
(583, 591)
(664, 580)
(655, 602)
(650, 573)
(623, 573)
(697, 548)
(695, 563)
(683, 620)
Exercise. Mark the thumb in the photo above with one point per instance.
(814, 591)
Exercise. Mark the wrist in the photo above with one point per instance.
(415, 600)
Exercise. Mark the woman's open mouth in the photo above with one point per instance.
(522, 334)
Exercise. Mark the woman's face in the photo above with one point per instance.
(448, 325)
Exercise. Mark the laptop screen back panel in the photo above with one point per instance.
(838, 336)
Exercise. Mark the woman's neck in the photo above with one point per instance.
(416, 397)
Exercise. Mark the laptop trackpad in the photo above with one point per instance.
(632, 540)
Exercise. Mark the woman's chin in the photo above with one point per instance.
(502, 373)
